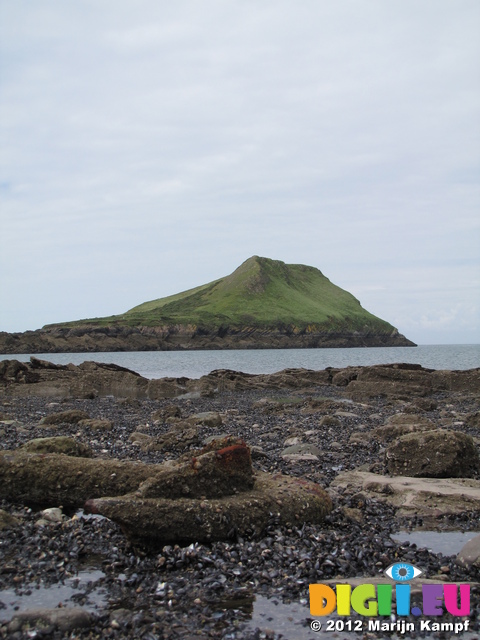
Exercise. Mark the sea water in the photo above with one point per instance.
(40, 596)
(194, 364)
(449, 543)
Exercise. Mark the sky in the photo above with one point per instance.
(147, 147)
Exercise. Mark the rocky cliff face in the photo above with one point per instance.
(188, 337)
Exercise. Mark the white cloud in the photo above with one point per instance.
(150, 147)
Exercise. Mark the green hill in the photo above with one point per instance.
(264, 304)
(261, 293)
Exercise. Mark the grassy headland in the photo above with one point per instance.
(261, 293)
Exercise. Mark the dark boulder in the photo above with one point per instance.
(434, 454)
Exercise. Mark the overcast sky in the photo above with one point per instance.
(147, 147)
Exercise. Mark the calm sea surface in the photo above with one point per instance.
(193, 364)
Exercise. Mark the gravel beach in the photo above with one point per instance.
(82, 564)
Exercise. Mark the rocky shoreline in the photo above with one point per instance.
(84, 339)
(326, 427)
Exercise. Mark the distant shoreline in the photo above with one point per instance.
(185, 338)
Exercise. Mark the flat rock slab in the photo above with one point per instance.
(419, 496)
(301, 449)
(300, 457)
(212, 495)
(159, 521)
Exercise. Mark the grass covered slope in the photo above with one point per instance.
(261, 293)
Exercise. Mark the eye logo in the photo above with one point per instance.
(402, 572)
(376, 600)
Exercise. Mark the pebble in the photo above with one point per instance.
(207, 591)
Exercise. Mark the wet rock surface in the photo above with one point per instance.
(200, 589)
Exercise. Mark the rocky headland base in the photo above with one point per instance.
(85, 339)
(168, 508)
(263, 304)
